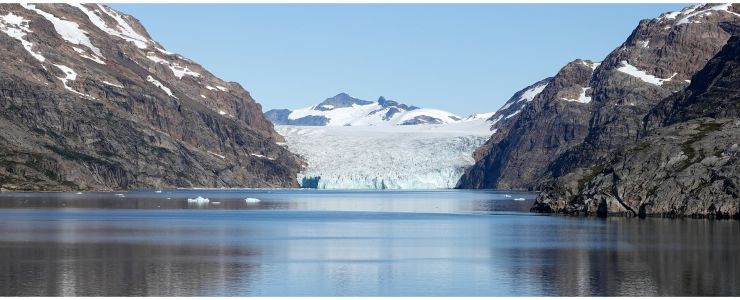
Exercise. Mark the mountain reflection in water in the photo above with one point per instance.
(321, 243)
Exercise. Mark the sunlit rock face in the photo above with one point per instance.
(590, 109)
(91, 101)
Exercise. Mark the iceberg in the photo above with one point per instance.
(198, 201)
(252, 200)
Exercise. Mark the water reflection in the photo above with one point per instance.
(296, 247)
(632, 257)
(438, 201)
(89, 269)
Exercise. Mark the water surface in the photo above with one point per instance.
(327, 243)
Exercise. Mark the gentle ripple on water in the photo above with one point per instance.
(325, 243)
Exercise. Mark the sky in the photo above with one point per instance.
(461, 58)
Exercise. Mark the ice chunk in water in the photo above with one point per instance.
(199, 201)
(252, 200)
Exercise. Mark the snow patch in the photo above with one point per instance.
(176, 68)
(69, 74)
(123, 30)
(113, 84)
(217, 155)
(529, 94)
(210, 88)
(68, 30)
(481, 116)
(722, 7)
(372, 114)
(644, 44)
(592, 65)
(582, 98)
(92, 57)
(16, 27)
(513, 114)
(164, 51)
(160, 85)
(221, 112)
(261, 156)
(633, 71)
(223, 89)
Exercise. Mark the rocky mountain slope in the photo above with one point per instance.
(345, 110)
(686, 163)
(90, 101)
(589, 109)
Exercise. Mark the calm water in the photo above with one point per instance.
(323, 243)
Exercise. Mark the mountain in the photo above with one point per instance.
(344, 110)
(590, 109)
(554, 120)
(686, 163)
(91, 102)
(350, 143)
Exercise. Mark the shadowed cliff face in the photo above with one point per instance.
(90, 101)
(574, 123)
(545, 127)
(686, 163)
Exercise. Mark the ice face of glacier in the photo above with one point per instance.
(385, 157)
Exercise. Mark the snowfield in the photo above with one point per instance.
(385, 157)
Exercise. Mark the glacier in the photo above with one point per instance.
(422, 156)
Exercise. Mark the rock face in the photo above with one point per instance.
(90, 101)
(687, 162)
(345, 110)
(555, 120)
(589, 110)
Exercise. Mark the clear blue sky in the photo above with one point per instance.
(461, 58)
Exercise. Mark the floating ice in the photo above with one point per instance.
(252, 200)
(199, 201)
(519, 199)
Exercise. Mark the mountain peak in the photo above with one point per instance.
(339, 101)
(345, 110)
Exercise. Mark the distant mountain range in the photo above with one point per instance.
(345, 110)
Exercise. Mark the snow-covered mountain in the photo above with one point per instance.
(345, 110)
(349, 143)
